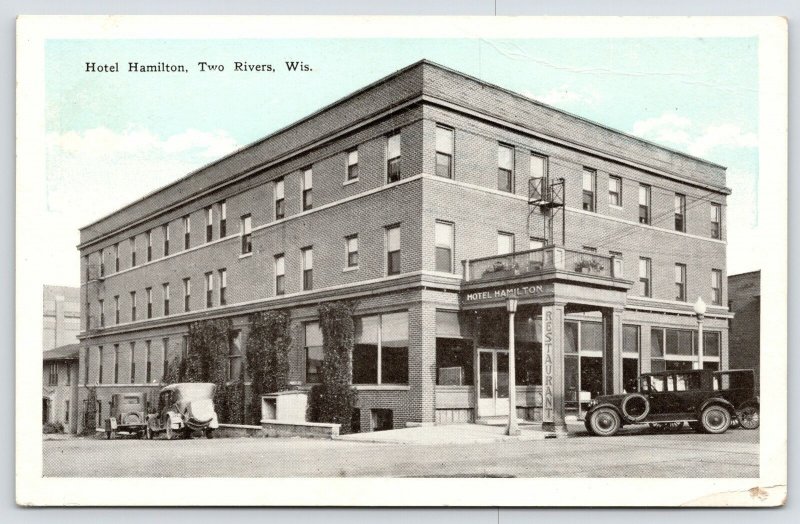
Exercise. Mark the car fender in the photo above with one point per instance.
(606, 405)
(748, 403)
(718, 401)
(111, 424)
(214, 424)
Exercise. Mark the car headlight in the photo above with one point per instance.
(592, 403)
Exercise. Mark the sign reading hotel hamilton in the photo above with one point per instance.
(502, 293)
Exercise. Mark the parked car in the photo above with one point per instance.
(127, 415)
(708, 400)
(183, 409)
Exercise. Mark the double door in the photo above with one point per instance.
(492, 382)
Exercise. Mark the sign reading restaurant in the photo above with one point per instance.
(500, 294)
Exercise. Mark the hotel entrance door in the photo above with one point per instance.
(493, 382)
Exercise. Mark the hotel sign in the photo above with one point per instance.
(501, 294)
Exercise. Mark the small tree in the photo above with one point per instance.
(268, 344)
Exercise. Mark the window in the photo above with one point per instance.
(280, 274)
(280, 210)
(535, 243)
(443, 239)
(308, 183)
(133, 362)
(352, 164)
(308, 268)
(644, 277)
(393, 158)
(88, 319)
(116, 309)
(68, 375)
(538, 166)
(209, 289)
(184, 346)
(680, 282)
(505, 243)
(149, 293)
(102, 313)
(444, 152)
(380, 353)
(393, 250)
(165, 293)
(615, 191)
(314, 354)
(66, 409)
(116, 364)
(187, 231)
(680, 212)
(630, 357)
(716, 287)
(116, 257)
(351, 246)
(716, 221)
(165, 357)
(132, 243)
(505, 168)
(149, 236)
(223, 219)
(235, 368)
(86, 367)
(165, 234)
(247, 234)
(133, 306)
(209, 223)
(454, 365)
(223, 286)
(102, 253)
(589, 183)
(187, 294)
(100, 365)
(644, 204)
(148, 364)
(52, 379)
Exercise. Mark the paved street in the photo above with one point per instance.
(632, 454)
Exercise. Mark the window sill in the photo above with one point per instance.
(245, 255)
(381, 387)
(348, 182)
(612, 206)
(351, 268)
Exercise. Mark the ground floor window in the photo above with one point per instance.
(630, 357)
(454, 362)
(380, 353)
(382, 419)
(314, 354)
(583, 362)
(676, 349)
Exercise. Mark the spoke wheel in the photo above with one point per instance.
(715, 419)
(749, 417)
(604, 422)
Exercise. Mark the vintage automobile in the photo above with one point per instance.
(183, 409)
(127, 416)
(708, 400)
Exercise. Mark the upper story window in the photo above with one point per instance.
(308, 186)
(393, 157)
(716, 287)
(352, 164)
(538, 166)
(148, 362)
(393, 250)
(165, 235)
(209, 289)
(247, 234)
(187, 231)
(149, 245)
(644, 277)
(187, 294)
(102, 254)
(536, 243)
(589, 185)
(52, 379)
(133, 363)
(223, 286)
(505, 168)
(351, 246)
(680, 282)
(99, 366)
(149, 293)
(223, 219)
(314, 354)
(680, 212)
(280, 274)
(615, 191)
(280, 208)
(209, 211)
(716, 221)
(102, 313)
(644, 204)
(444, 152)
(133, 306)
(308, 268)
(116, 257)
(116, 309)
(132, 243)
(443, 239)
(505, 243)
(165, 293)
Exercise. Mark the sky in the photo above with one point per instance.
(113, 137)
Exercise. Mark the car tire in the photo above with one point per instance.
(635, 407)
(604, 422)
(209, 433)
(110, 435)
(749, 417)
(715, 419)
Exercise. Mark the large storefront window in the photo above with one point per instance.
(676, 349)
(314, 355)
(583, 362)
(528, 350)
(454, 360)
(380, 354)
(630, 357)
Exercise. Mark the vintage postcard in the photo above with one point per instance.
(401, 261)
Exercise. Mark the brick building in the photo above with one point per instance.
(429, 196)
(60, 386)
(744, 301)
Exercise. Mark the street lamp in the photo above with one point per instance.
(699, 311)
(513, 429)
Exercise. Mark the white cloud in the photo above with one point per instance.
(679, 131)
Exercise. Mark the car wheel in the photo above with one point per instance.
(209, 433)
(635, 407)
(110, 435)
(749, 417)
(604, 422)
(695, 425)
(170, 432)
(715, 419)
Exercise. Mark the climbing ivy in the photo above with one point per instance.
(268, 343)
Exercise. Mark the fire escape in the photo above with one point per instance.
(548, 199)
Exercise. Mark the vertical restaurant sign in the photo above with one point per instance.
(547, 365)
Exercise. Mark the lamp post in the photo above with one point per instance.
(699, 311)
(513, 429)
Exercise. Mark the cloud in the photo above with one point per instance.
(681, 132)
(565, 96)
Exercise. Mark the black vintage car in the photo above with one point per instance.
(710, 401)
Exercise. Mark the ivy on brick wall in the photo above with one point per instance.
(332, 400)
(268, 343)
(90, 416)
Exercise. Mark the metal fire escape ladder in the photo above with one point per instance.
(548, 199)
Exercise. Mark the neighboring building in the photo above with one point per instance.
(60, 386)
(62, 316)
(429, 196)
(744, 301)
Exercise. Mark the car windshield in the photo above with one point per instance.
(131, 400)
(687, 381)
(657, 383)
